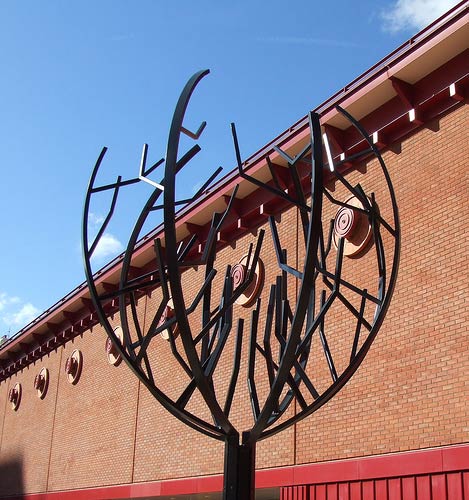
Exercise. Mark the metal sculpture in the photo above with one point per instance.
(295, 335)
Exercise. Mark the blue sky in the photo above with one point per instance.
(77, 76)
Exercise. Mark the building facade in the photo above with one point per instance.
(398, 429)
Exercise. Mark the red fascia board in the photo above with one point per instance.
(455, 458)
(434, 461)
(282, 476)
(411, 464)
(45, 317)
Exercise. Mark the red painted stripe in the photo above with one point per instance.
(321, 492)
(282, 476)
(381, 489)
(332, 492)
(356, 491)
(455, 458)
(344, 491)
(423, 488)
(405, 464)
(465, 480)
(368, 490)
(409, 490)
(395, 489)
(343, 470)
(455, 485)
(438, 483)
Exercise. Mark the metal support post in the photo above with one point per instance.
(240, 469)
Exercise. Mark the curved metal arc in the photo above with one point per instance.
(87, 252)
(172, 262)
(183, 415)
(385, 295)
(296, 328)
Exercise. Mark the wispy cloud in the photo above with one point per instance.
(15, 313)
(6, 300)
(306, 40)
(109, 246)
(413, 14)
(95, 220)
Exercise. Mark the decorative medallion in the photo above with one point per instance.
(353, 226)
(239, 274)
(41, 383)
(73, 366)
(113, 355)
(168, 313)
(14, 396)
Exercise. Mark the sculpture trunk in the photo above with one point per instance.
(240, 469)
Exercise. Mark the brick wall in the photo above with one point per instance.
(93, 439)
(27, 432)
(411, 391)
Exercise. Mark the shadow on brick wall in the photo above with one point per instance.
(11, 479)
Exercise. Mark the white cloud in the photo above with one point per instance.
(95, 220)
(15, 313)
(414, 14)
(6, 300)
(24, 316)
(108, 246)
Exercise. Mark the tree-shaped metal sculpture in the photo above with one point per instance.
(296, 334)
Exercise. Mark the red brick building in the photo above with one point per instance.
(400, 427)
